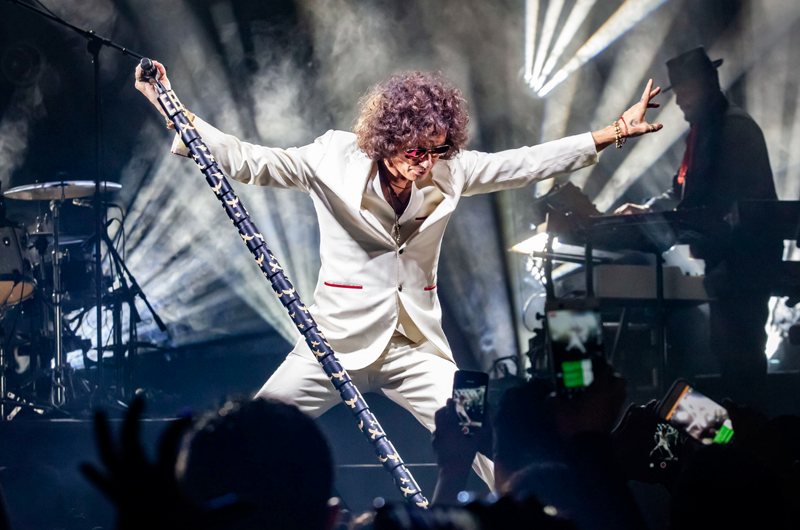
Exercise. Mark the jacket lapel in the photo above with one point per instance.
(442, 179)
(356, 176)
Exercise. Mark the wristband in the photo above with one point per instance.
(626, 128)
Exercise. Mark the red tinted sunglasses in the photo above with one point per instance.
(419, 152)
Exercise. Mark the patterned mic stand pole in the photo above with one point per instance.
(367, 422)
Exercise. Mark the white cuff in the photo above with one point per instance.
(178, 147)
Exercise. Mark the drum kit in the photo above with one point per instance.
(45, 276)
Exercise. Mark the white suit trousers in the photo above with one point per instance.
(415, 376)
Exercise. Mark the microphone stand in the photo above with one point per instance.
(94, 45)
(300, 315)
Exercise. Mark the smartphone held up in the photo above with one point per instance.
(576, 344)
(469, 396)
(695, 414)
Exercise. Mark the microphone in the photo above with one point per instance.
(149, 70)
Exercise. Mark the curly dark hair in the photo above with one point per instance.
(406, 110)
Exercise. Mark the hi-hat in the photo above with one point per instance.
(54, 191)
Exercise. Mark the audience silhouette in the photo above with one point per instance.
(560, 464)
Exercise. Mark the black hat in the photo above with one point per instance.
(691, 65)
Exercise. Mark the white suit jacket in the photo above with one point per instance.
(364, 271)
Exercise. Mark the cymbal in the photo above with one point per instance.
(63, 239)
(53, 191)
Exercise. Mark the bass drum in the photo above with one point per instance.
(16, 274)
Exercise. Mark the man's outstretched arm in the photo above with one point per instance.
(489, 172)
(242, 161)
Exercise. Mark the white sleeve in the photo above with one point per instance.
(294, 167)
(488, 172)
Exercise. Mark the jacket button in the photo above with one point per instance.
(401, 251)
(400, 288)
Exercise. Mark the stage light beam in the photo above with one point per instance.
(576, 18)
(551, 17)
(531, 25)
(628, 15)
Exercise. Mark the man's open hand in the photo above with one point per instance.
(634, 117)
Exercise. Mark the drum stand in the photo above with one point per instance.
(127, 292)
(57, 393)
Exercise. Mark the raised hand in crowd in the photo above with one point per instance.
(144, 492)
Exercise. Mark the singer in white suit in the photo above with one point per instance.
(383, 196)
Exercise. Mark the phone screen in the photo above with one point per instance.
(666, 445)
(469, 395)
(576, 340)
(700, 417)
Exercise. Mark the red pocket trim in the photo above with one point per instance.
(431, 287)
(343, 286)
(420, 218)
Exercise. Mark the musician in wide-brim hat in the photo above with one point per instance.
(725, 161)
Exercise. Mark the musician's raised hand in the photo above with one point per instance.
(635, 124)
(630, 208)
(148, 87)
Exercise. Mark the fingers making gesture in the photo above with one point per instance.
(634, 118)
(632, 123)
